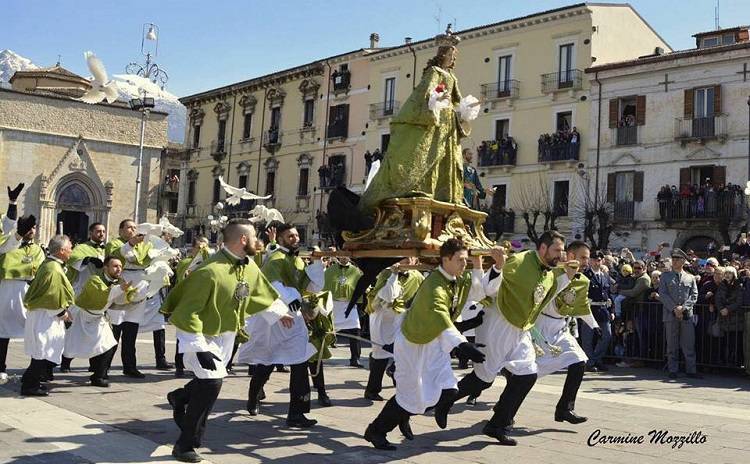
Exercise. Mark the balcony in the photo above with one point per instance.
(561, 146)
(499, 223)
(623, 212)
(626, 135)
(218, 150)
(500, 90)
(384, 110)
(498, 152)
(710, 127)
(572, 79)
(272, 139)
(341, 81)
(728, 205)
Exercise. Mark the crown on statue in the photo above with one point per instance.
(448, 39)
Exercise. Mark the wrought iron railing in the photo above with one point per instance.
(571, 79)
(500, 90)
(701, 128)
(385, 109)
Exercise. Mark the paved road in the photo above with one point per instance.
(131, 421)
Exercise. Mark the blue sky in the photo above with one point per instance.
(206, 44)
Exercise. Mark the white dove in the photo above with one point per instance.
(237, 194)
(169, 228)
(262, 214)
(101, 87)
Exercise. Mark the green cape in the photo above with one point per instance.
(409, 285)
(574, 300)
(50, 288)
(334, 275)
(12, 265)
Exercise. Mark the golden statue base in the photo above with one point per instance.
(417, 227)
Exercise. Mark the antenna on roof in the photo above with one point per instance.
(716, 16)
(439, 17)
(59, 60)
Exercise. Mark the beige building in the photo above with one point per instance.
(528, 73)
(78, 161)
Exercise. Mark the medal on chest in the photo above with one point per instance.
(569, 296)
(242, 291)
(539, 293)
(27, 259)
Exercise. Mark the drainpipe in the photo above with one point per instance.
(414, 65)
(260, 144)
(325, 127)
(598, 143)
(231, 139)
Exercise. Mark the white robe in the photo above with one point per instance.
(468, 314)
(383, 318)
(272, 343)
(90, 334)
(12, 311)
(135, 311)
(340, 321)
(221, 345)
(152, 318)
(555, 331)
(44, 335)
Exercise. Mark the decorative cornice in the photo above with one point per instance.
(309, 88)
(222, 110)
(248, 102)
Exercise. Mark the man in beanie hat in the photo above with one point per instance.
(20, 258)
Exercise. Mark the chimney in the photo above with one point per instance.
(374, 40)
(407, 40)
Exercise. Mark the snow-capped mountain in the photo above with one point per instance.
(128, 87)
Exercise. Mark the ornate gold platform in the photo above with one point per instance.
(417, 227)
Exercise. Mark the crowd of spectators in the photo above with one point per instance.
(561, 145)
(500, 152)
(697, 201)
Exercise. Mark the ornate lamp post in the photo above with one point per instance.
(143, 103)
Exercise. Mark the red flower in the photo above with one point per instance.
(440, 88)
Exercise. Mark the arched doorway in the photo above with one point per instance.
(74, 204)
(702, 245)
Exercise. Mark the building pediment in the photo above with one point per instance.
(76, 160)
(703, 153)
(626, 159)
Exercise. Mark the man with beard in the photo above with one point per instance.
(284, 343)
(528, 283)
(573, 302)
(20, 259)
(129, 247)
(47, 301)
(208, 309)
(86, 260)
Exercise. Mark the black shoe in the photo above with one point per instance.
(253, 408)
(378, 440)
(442, 408)
(48, 378)
(355, 363)
(405, 428)
(373, 396)
(34, 392)
(186, 455)
(592, 369)
(100, 383)
(694, 375)
(178, 407)
(471, 400)
(282, 369)
(500, 434)
(134, 374)
(324, 400)
(562, 415)
(300, 421)
(163, 365)
(673, 375)
(106, 376)
(463, 364)
(262, 394)
(91, 369)
(179, 373)
(230, 370)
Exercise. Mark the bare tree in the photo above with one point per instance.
(596, 215)
(534, 202)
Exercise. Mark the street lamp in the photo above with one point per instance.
(143, 103)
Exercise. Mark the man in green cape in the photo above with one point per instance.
(573, 302)
(340, 279)
(527, 283)
(47, 301)
(428, 334)
(20, 259)
(208, 309)
(86, 260)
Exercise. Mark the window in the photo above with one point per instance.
(727, 39)
(503, 75)
(247, 125)
(711, 41)
(243, 181)
(302, 231)
(564, 121)
(703, 102)
(309, 113)
(501, 128)
(270, 182)
(304, 176)
(385, 139)
(191, 192)
(338, 121)
(560, 198)
(172, 205)
(196, 136)
(221, 135)
(565, 65)
(624, 189)
(341, 78)
(275, 118)
(217, 191)
(501, 195)
(337, 164)
(390, 95)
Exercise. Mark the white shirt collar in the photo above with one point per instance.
(446, 275)
(232, 254)
(58, 260)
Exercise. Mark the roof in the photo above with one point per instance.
(721, 31)
(56, 70)
(57, 96)
(680, 54)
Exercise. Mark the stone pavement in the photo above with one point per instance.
(131, 421)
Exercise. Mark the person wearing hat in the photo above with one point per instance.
(20, 259)
(678, 293)
(599, 294)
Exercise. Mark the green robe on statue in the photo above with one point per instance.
(424, 154)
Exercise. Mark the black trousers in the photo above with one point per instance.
(391, 415)
(3, 353)
(515, 392)
(128, 331)
(299, 387)
(160, 346)
(178, 363)
(377, 371)
(572, 383)
(200, 396)
(355, 351)
(318, 378)
(471, 385)
(37, 371)
(100, 364)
